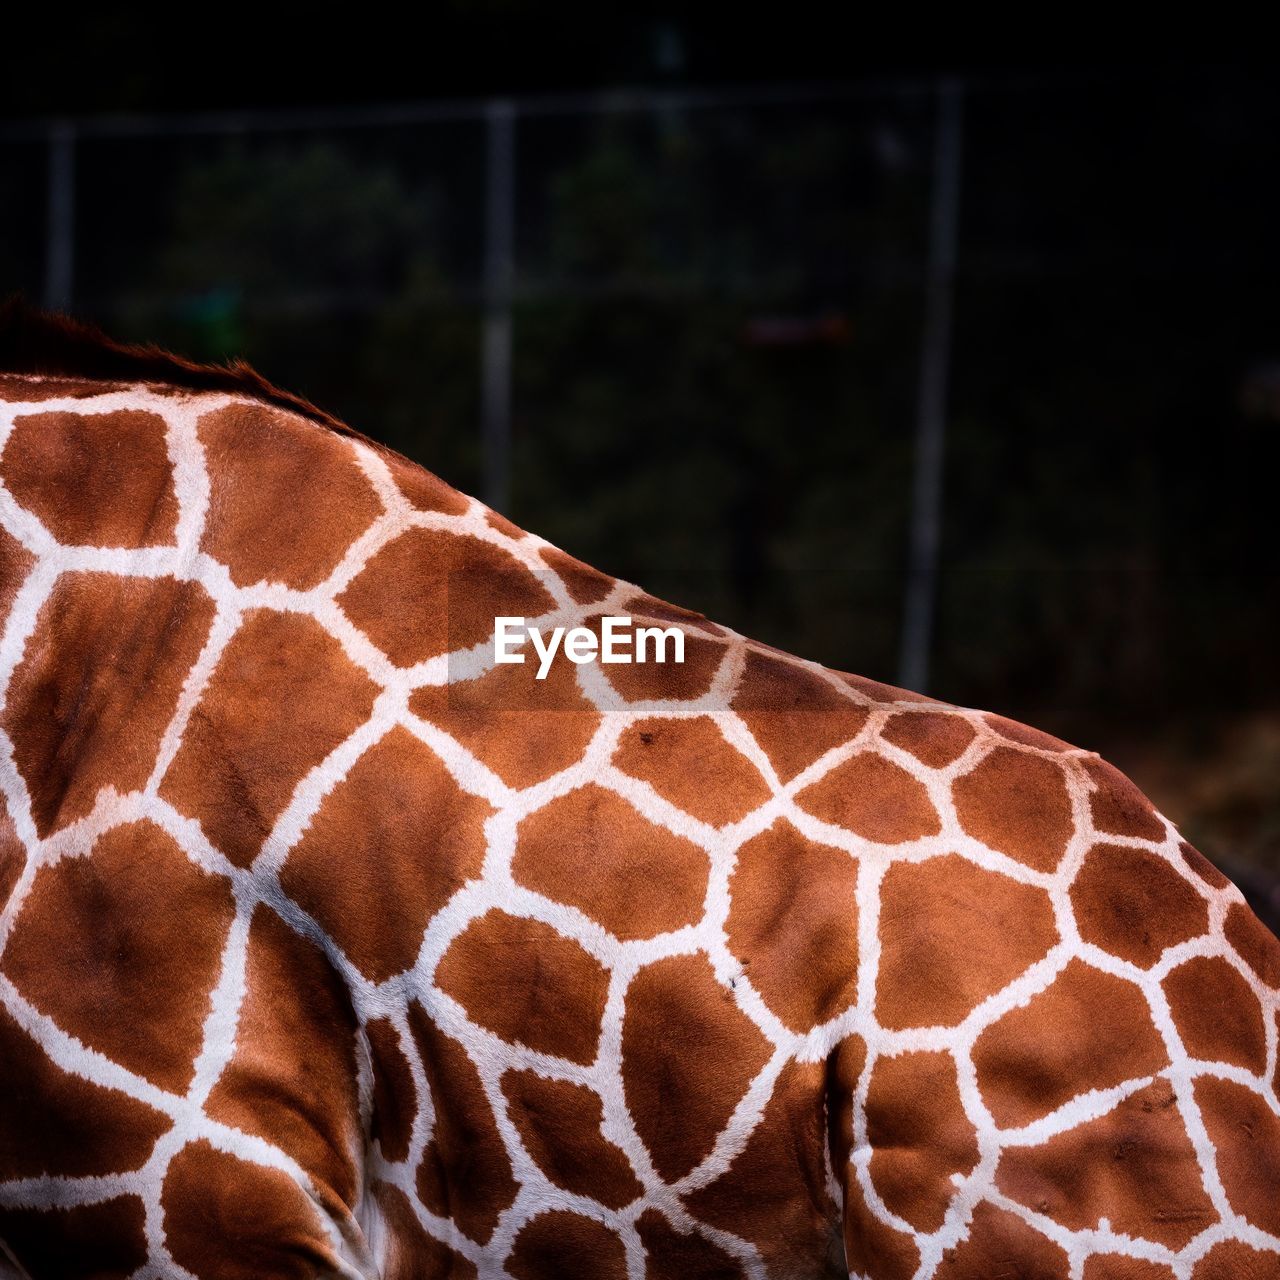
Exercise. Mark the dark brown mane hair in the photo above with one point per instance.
(53, 345)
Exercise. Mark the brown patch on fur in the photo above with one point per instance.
(1118, 806)
(141, 927)
(1000, 1244)
(919, 1135)
(794, 714)
(688, 1055)
(465, 1172)
(414, 1254)
(1025, 734)
(560, 1245)
(1088, 1030)
(227, 1219)
(689, 763)
(933, 737)
(106, 1241)
(775, 1193)
(583, 583)
(53, 1122)
(1131, 903)
(293, 1077)
(673, 1255)
(1233, 1260)
(1254, 943)
(793, 924)
(591, 850)
(391, 844)
(1017, 804)
(559, 1123)
(1134, 1166)
(1113, 1266)
(282, 697)
(395, 1100)
(444, 591)
(1202, 866)
(873, 798)
(1217, 1014)
(487, 970)
(1246, 1134)
(98, 685)
(117, 466)
(953, 934)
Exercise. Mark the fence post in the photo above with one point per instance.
(499, 272)
(60, 228)
(931, 412)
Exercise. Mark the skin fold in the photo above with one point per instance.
(329, 947)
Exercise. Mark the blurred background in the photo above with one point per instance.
(955, 372)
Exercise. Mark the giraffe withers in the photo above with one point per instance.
(328, 947)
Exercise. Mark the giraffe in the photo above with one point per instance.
(331, 947)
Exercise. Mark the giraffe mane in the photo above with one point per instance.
(53, 344)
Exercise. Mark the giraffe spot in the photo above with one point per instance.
(106, 1240)
(395, 1100)
(688, 1056)
(522, 728)
(142, 928)
(465, 1172)
(583, 583)
(872, 1247)
(413, 1253)
(1134, 1166)
(391, 844)
(1235, 1260)
(1202, 866)
(873, 798)
(292, 1079)
(560, 1125)
(667, 680)
(1024, 734)
(1087, 1030)
(527, 984)
(282, 697)
(1114, 1266)
(260, 460)
(1245, 1132)
(1118, 807)
(774, 1193)
(592, 850)
(500, 524)
(227, 1219)
(671, 1254)
(560, 1245)
(793, 925)
(26, 389)
(431, 592)
(1217, 1014)
(876, 691)
(98, 685)
(663, 611)
(919, 1136)
(845, 1064)
(1017, 804)
(1131, 903)
(13, 853)
(59, 1124)
(115, 464)
(794, 714)
(1254, 943)
(422, 489)
(1000, 1244)
(933, 737)
(951, 935)
(689, 764)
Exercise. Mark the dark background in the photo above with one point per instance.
(717, 312)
